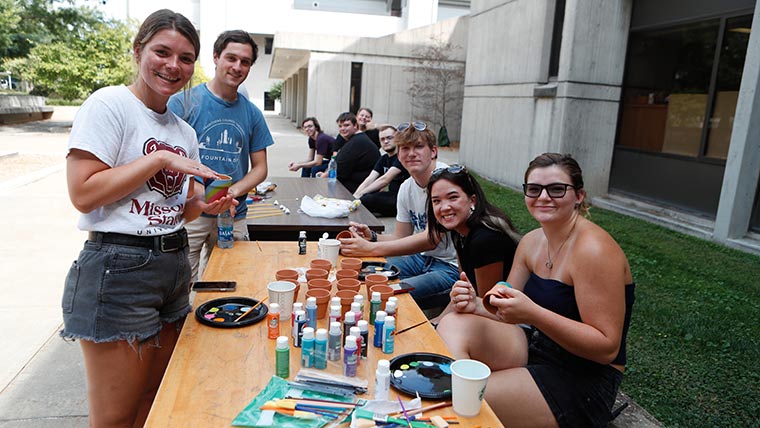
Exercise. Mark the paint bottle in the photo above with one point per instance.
(282, 357)
(273, 321)
(360, 298)
(356, 308)
(335, 301)
(357, 333)
(364, 331)
(374, 305)
(307, 348)
(300, 323)
(388, 329)
(350, 357)
(382, 379)
(320, 349)
(302, 242)
(394, 299)
(390, 309)
(297, 306)
(349, 320)
(379, 323)
(334, 314)
(333, 342)
(311, 312)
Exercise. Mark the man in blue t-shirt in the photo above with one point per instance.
(232, 135)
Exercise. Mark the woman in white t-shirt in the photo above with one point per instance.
(128, 171)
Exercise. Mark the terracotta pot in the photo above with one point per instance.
(321, 264)
(351, 263)
(324, 284)
(323, 299)
(289, 275)
(343, 234)
(346, 297)
(352, 284)
(316, 273)
(346, 273)
(385, 292)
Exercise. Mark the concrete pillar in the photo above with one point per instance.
(294, 98)
(284, 97)
(302, 93)
(740, 179)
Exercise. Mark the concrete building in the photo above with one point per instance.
(655, 99)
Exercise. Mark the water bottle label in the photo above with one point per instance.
(225, 234)
(332, 173)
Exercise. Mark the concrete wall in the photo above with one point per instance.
(507, 85)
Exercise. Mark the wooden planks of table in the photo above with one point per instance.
(215, 372)
(273, 226)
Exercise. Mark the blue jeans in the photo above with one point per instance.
(431, 278)
(312, 172)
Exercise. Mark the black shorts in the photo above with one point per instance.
(579, 392)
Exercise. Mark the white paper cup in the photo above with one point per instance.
(468, 384)
(282, 293)
(329, 249)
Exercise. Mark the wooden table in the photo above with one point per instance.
(289, 192)
(214, 373)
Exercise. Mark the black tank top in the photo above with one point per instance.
(559, 298)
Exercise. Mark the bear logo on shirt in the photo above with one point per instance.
(166, 182)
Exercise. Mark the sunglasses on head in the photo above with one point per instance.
(454, 169)
(420, 126)
(554, 190)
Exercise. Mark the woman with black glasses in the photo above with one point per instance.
(484, 237)
(555, 338)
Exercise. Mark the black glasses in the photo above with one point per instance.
(454, 169)
(554, 190)
(420, 126)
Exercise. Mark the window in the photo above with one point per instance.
(559, 23)
(355, 97)
(680, 90)
(268, 42)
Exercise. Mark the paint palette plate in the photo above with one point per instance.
(428, 375)
(382, 268)
(224, 311)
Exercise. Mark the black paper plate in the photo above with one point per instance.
(428, 375)
(382, 268)
(224, 311)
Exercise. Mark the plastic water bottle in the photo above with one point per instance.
(224, 227)
(332, 170)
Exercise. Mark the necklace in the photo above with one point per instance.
(549, 265)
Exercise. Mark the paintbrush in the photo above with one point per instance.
(409, 328)
(266, 215)
(424, 409)
(251, 310)
(403, 409)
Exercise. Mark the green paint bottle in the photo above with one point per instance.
(282, 357)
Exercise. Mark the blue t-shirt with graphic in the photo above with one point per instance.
(228, 132)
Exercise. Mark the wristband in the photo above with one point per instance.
(373, 236)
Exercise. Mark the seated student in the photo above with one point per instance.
(431, 268)
(484, 237)
(389, 172)
(556, 339)
(320, 149)
(357, 156)
(364, 119)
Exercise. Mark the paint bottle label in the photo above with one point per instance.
(273, 325)
(302, 242)
(282, 357)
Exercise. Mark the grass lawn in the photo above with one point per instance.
(694, 341)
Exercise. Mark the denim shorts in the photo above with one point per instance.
(121, 292)
(579, 392)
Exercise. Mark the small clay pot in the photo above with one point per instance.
(325, 284)
(343, 234)
(321, 264)
(351, 263)
(316, 273)
(375, 278)
(323, 299)
(346, 297)
(352, 284)
(287, 275)
(346, 273)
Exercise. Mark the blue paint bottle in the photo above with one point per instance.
(307, 348)
(320, 349)
(311, 312)
(379, 322)
(389, 329)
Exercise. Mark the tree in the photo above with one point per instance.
(275, 92)
(437, 89)
(67, 51)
